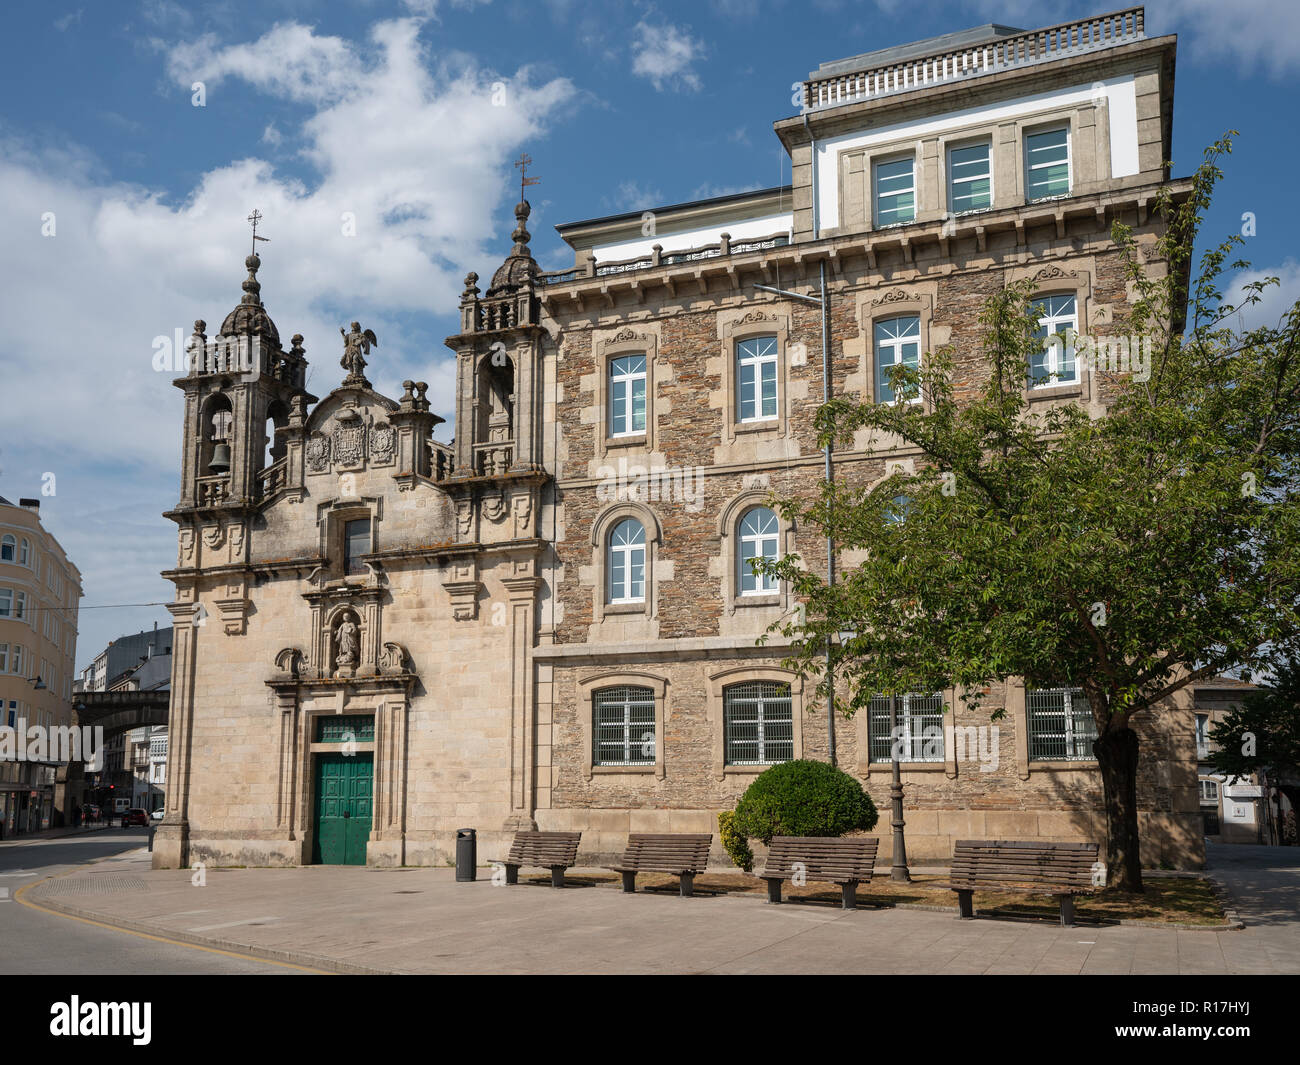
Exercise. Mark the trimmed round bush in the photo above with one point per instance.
(802, 798)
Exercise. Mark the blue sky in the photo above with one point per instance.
(383, 111)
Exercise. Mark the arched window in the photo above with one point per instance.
(756, 379)
(1058, 322)
(623, 726)
(758, 723)
(898, 340)
(627, 562)
(759, 538)
(277, 417)
(25, 553)
(627, 395)
(217, 419)
(8, 547)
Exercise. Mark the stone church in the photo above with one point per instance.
(380, 639)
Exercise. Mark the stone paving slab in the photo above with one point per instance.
(422, 921)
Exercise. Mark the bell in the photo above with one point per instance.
(220, 459)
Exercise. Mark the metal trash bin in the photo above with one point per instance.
(466, 855)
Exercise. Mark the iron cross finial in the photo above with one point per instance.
(524, 162)
(256, 217)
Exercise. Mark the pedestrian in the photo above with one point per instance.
(76, 815)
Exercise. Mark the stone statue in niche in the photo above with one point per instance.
(347, 645)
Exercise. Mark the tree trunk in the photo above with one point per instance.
(1117, 755)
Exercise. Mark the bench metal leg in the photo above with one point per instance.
(1067, 911)
(557, 875)
(688, 885)
(966, 903)
(849, 895)
(512, 874)
(629, 882)
(774, 890)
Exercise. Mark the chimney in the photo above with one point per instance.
(34, 505)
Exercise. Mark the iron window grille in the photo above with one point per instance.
(359, 728)
(1061, 727)
(759, 723)
(920, 728)
(624, 720)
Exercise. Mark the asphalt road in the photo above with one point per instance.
(33, 942)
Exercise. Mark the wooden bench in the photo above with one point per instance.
(847, 862)
(681, 854)
(1061, 870)
(555, 851)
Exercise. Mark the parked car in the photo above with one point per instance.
(135, 816)
(157, 815)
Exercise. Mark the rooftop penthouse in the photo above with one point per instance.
(963, 143)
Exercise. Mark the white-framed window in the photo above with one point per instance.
(6, 602)
(627, 382)
(16, 658)
(1061, 725)
(1054, 363)
(25, 553)
(20, 605)
(758, 723)
(626, 562)
(1209, 792)
(8, 547)
(970, 178)
(895, 185)
(896, 340)
(920, 728)
(756, 379)
(1047, 163)
(1202, 735)
(4, 658)
(759, 535)
(623, 726)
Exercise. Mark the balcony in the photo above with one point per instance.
(212, 491)
(493, 459)
(659, 258)
(1020, 50)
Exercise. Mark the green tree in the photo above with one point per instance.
(1264, 732)
(1128, 555)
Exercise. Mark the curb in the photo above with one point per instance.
(290, 957)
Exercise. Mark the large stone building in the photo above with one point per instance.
(40, 596)
(380, 639)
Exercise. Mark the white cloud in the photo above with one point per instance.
(665, 54)
(272, 136)
(412, 147)
(1275, 301)
(64, 21)
(632, 196)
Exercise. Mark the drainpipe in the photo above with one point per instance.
(826, 398)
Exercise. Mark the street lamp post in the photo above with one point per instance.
(898, 872)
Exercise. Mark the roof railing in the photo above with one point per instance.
(1019, 50)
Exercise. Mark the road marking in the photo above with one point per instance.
(19, 896)
(230, 924)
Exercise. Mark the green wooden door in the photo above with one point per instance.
(343, 805)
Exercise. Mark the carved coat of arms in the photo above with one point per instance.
(349, 444)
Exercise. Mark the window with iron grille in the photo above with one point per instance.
(920, 728)
(1061, 728)
(359, 728)
(759, 723)
(624, 726)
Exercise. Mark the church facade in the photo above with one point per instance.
(381, 639)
